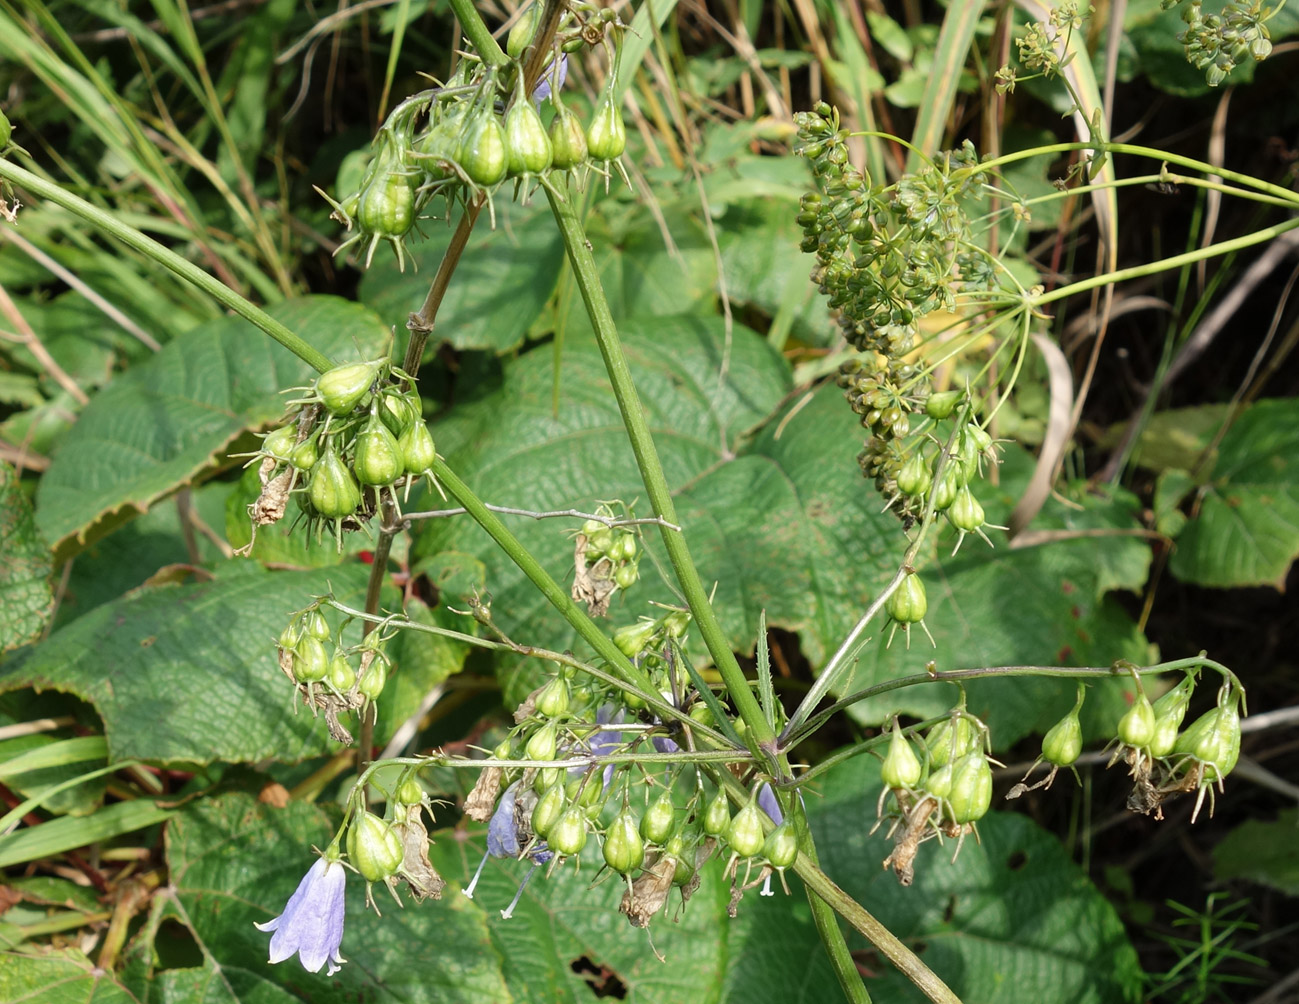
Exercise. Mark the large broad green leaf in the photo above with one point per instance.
(501, 285)
(1246, 532)
(66, 977)
(1013, 919)
(26, 596)
(165, 421)
(188, 673)
(1262, 851)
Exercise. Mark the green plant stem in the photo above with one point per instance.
(555, 593)
(420, 324)
(471, 23)
(133, 238)
(586, 274)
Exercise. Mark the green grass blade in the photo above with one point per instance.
(68, 833)
(954, 40)
(58, 754)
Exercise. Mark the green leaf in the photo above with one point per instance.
(69, 832)
(26, 592)
(1012, 912)
(1263, 852)
(515, 264)
(66, 977)
(188, 673)
(167, 421)
(235, 861)
(32, 764)
(1246, 532)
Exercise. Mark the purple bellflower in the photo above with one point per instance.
(311, 925)
(552, 76)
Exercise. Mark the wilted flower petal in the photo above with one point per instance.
(768, 804)
(311, 925)
(549, 76)
(502, 837)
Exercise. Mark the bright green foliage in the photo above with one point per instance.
(26, 596)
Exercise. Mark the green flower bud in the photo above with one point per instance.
(624, 851)
(397, 412)
(679, 852)
(548, 777)
(947, 487)
(387, 204)
(625, 577)
(417, 449)
(410, 792)
(1063, 741)
(6, 131)
(314, 623)
(659, 819)
(1214, 740)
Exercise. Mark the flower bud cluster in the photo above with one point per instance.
(328, 675)
(1218, 43)
(353, 440)
(886, 257)
(456, 143)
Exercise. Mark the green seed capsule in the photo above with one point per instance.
(745, 833)
(606, 137)
(375, 679)
(567, 141)
(541, 745)
(1063, 741)
(410, 792)
(781, 848)
(942, 404)
(902, 768)
(553, 699)
(342, 677)
(947, 487)
(417, 450)
(310, 660)
(1170, 709)
(378, 460)
(1137, 727)
(548, 809)
(939, 782)
(526, 139)
(305, 455)
(373, 847)
(483, 153)
(678, 850)
(314, 623)
(6, 131)
(343, 387)
(914, 477)
(949, 740)
(965, 513)
(387, 204)
(659, 819)
(520, 36)
(1214, 739)
(548, 777)
(333, 490)
(601, 541)
(908, 603)
(717, 815)
(397, 412)
(625, 577)
(624, 548)
(632, 638)
(971, 792)
(624, 851)
(568, 835)
(279, 444)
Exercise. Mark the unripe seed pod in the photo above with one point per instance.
(914, 477)
(678, 851)
(526, 139)
(567, 141)
(387, 204)
(1063, 741)
(417, 449)
(548, 777)
(585, 791)
(483, 153)
(378, 459)
(624, 851)
(908, 603)
(624, 547)
(965, 513)
(410, 792)
(373, 848)
(659, 819)
(333, 490)
(6, 130)
(541, 745)
(314, 623)
(700, 712)
(745, 832)
(553, 699)
(947, 486)
(677, 623)
(305, 455)
(1170, 709)
(1137, 727)
(342, 388)
(310, 660)
(568, 835)
(971, 792)
(548, 809)
(949, 740)
(1214, 739)
(342, 677)
(601, 541)
(375, 679)
(943, 403)
(625, 577)
(717, 815)
(520, 36)
(902, 768)
(939, 782)
(781, 847)
(397, 412)
(632, 638)
(279, 444)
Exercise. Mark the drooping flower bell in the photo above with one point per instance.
(311, 925)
